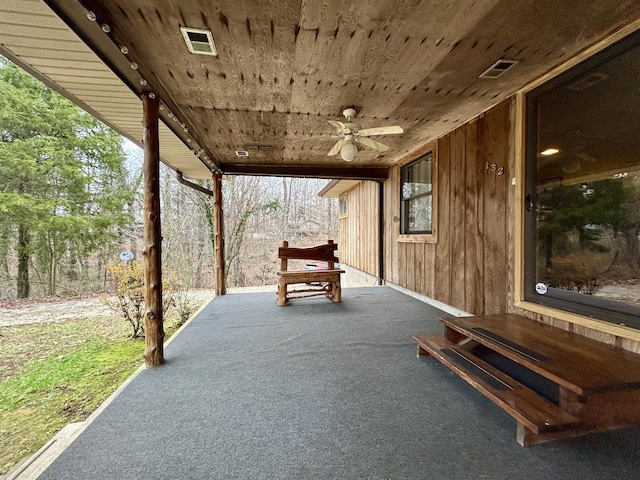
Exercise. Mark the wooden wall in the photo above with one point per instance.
(358, 241)
(470, 263)
(468, 266)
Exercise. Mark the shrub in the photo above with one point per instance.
(128, 298)
(570, 273)
(183, 305)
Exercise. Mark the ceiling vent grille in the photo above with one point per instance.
(199, 41)
(498, 68)
(242, 153)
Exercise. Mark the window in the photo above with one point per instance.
(342, 207)
(416, 196)
(582, 204)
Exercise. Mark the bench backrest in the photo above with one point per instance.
(321, 253)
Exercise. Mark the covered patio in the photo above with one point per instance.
(324, 390)
(318, 390)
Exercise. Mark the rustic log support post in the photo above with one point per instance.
(218, 235)
(153, 327)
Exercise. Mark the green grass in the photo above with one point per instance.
(63, 387)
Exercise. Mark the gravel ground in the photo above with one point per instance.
(623, 293)
(27, 312)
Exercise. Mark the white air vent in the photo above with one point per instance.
(498, 68)
(587, 81)
(199, 41)
(242, 153)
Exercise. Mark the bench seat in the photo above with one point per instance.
(310, 276)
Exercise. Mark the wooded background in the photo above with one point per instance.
(70, 202)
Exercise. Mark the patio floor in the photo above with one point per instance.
(319, 390)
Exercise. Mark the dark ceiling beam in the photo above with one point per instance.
(347, 173)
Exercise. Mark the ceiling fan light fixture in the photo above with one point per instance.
(348, 152)
(352, 132)
(349, 113)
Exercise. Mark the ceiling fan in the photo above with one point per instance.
(353, 133)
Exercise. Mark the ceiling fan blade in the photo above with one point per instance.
(339, 126)
(380, 131)
(381, 147)
(336, 148)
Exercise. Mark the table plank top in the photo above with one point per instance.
(576, 362)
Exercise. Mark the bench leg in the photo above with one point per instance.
(336, 292)
(282, 293)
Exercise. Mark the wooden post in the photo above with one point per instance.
(153, 328)
(282, 283)
(284, 261)
(330, 265)
(218, 234)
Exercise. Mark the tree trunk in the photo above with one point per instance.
(154, 330)
(49, 266)
(631, 236)
(23, 285)
(211, 232)
(548, 244)
(54, 278)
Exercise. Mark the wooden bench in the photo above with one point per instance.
(319, 281)
(567, 385)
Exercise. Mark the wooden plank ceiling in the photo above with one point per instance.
(284, 68)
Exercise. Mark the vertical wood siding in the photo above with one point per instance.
(391, 226)
(358, 242)
(467, 267)
(442, 267)
(471, 265)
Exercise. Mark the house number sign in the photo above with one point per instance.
(493, 167)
